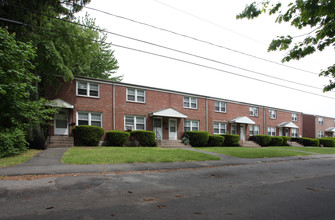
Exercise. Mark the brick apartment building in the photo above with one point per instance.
(121, 106)
(316, 126)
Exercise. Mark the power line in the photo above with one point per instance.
(168, 48)
(199, 40)
(167, 57)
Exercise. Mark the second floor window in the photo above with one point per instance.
(220, 106)
(253, 111)
(190, 102)
(294, 117)
(87, 89)
(135, 95)
(320, 121)
(272, 114)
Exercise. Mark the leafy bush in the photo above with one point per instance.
(231, 140)
(276, 141)
(263, 140)
(117, 138)
(285, 139)
(215, 140)
(198, 138)
(87, 135)
(12, 142)
(144, 138)
(307, 141)
(327, 142)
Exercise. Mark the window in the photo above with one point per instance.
(253, 111)
(89, 118)
(294, 117)
(191, 125)
(294, 132)
(253, 130)
(233, 129)
(320, 134)
(272, 131)
(87, 89)
(272, 114)
(190, 102)
(135, 95)
(320, 121)
(220, 106)
(220, 128)
(134, 122)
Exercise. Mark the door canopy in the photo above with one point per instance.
(331, 129)
(60, 104)
(242, 120)
(287, 125)
(168, 112)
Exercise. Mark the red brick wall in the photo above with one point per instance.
(327, 122)
(309, 126)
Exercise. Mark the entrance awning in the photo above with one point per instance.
(168, 112)
(242, 120)
(60, 104)
(330, 129)
(287, 125)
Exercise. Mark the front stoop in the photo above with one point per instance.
(249, 144)
(59, 141)
(294, 144)
(172, 144)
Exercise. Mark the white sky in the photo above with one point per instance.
(217, 25)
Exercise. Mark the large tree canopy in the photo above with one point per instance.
(319, 15)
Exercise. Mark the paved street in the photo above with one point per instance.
(297, 189)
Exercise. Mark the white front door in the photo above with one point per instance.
(61, 122)
(172, 129)
(242, 132)
(157, 128)
(280, 132)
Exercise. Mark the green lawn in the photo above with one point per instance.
(108, 155)
(17, 159)
(243, 152)
(319, 150)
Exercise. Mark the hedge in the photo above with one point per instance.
(198, 138)
(117, 138)
(87, 135)
(215, 140)
(285, 139)
(144, 138)
(263, 140)
(307, 141)
(231, 140)
(276, 141)
(327, 142)
(12, 142)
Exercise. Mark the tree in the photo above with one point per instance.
(319, 15)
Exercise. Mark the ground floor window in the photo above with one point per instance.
(320, 134)
(233, 129)
(220, 128)
(294, 132)
(132, 122)
(191, 125)
(253, 130)
(272, 131)
(89, 118)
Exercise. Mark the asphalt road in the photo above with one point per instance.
(300, 189)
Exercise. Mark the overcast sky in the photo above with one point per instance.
(212, 21)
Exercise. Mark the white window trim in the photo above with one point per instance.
(275, 131)
(231, 130)
(270, 114)
(297, 132)
(136, 96)
(320, 121)
(89, 117)
(220, 105)
(88, 89)
(253, 111)
(252, 127)
(225, 126)
(322, 134)
(191, 122)
(134, 125)
(190, 103)
(294, 118)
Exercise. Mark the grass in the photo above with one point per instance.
(319, 150)
(109, 155)
(18, 159)
(243, 152)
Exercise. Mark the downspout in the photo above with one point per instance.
(206, 114)
(113, 106)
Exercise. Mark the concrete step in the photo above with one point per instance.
(249, 144)
(294, 144)
(172, 144)
(59, 141)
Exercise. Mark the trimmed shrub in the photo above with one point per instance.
(327, 142)
(231, 140)
(198, 138)
(263, 140)
(87, 135)
(215, 140)
(12, 142)
(276, 141)
(307, 141)
(144, 138)
(285, 139)
(117, 138)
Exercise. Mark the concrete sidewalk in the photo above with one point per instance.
(48, 162)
